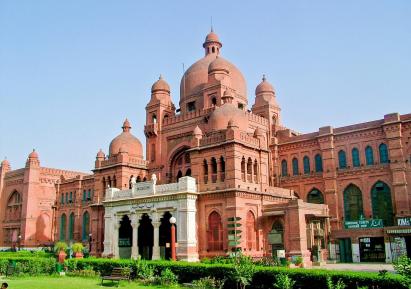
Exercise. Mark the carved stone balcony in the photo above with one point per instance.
(151, 129)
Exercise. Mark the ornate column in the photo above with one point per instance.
(156, 247)
(134, 245)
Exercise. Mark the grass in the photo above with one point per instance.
(65, 282)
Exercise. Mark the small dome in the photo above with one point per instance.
(126, 142)
(264, 87)
(221, 116)
(211, 37)
(33, 155)
(160, 85)
(5, 163)
(219, 64)
(100, 154)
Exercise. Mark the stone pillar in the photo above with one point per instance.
(116, 253)
(108, 235)
(187, 249)
(156, 247)
(134, 245)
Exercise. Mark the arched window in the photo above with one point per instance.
(138, 179)
(284, 169)
(205, 169)
(153, 152)
(249, 170)
(63, 227)
(243, 169)
(84, 196)
(342, 159)
(318, 163)
(222, 170)
(71, 227)
(353, 208)
(71, 197)
(187, 159)
(213, 170)
(355, 157)
(89, 195)
(14, 207)
(66, 198)
(251, 234)
(154, 118)
(62, 199)
(214, 101)
(306, 163)
(382, 203)
(114, 182)
(315, 197)
(86, 226)
(383, 153)
(215, 232)
(188, 172)
(104, 183)
(255, 169)
(165, 118)
(295, 167)
(179, 175)
(369, 156)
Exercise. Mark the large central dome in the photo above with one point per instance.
(195, 77)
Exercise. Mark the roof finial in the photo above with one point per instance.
(212, 24)
(264, 77)
(160, 77)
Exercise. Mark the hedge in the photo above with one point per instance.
(263, 278)
(28, 265)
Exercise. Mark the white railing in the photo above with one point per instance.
(149, 188)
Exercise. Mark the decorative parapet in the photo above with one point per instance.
(149, 188)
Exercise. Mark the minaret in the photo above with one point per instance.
(158, 110)
(4, 168)
(212, 44)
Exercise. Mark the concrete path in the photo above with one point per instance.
(368, 267)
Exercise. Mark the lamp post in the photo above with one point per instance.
(89, 243)
(19, 242)
(173, 238)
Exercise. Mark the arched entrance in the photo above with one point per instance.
(382, 203)
(276, 238)
(180, 163)
(165, 236)
(145, 238)
(125, 238)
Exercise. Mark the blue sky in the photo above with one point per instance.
(71, 71)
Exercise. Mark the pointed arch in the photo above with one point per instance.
(205, 171)
(284, 169)
(306, 163)
(255, 170)
(249, 170)
(86, 226)
(342, 159)
(353, 204)
(63, 227)
(382, 203)
(295, 167)
(315, 197)
(71, 227)
(369, 156)
(355, 157)
(222, 168)
(318, 163)
(215, 232)
(383, 149)
(251, 232)
(243, 169)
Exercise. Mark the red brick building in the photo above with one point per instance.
(339, 193)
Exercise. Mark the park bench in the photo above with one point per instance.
(118, 274)
(10, 270)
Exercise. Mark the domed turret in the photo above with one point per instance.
(126, 142)
(100, 155)
(265, 93)
(221, 116)
(196, 77)
(160, 85)
(5, 165)
(33, 155)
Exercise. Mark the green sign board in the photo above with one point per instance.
(233, 225)
(234, 232)
(233, 238)
(364, 224)
(233, 243)
(232, 219)
(404, 221)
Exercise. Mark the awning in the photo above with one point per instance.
(399, 231)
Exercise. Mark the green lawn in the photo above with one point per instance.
(65, 282)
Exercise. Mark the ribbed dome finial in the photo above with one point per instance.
(126, 125)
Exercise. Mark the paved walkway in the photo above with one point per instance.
(368, 267)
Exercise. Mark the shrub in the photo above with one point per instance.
(298, 261)
(28, 265)
(339, 285)
(208, 283)
(243, 271)
(284, 282)
(167, 278)
(77, 247)
(143, 271)
(263, 278)
(403, 266)
(60, 246)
